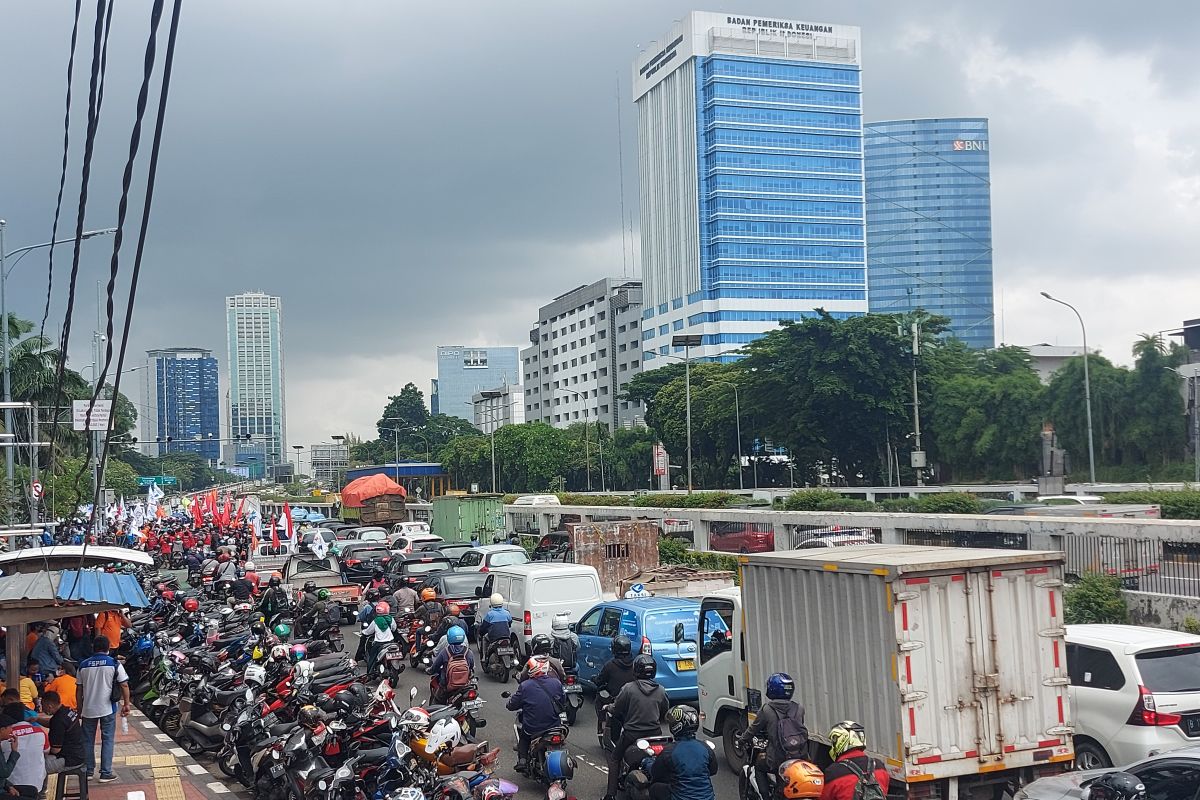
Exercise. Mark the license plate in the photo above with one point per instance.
(471, 705)
(276, 770)
(573, 688)
(505, 651)
(686, 665)
(395, 656)
(1191, 725)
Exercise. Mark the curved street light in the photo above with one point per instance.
(1087, 384)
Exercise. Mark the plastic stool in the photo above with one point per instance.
(81, 784)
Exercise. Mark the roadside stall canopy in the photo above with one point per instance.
(358, 491)
(38, 596)
(66, 556)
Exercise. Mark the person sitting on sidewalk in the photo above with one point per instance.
(66, 735)
(28, 774)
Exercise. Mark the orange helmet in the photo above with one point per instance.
(428, 593)
(801, 779)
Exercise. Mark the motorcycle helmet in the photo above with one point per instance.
(275, 581)
(453, 609)
(382, 609)
(255, 674)
(496, 600)
(456, 635)
(168, 595)
(445, 734)
(428, 593)
(622, 646)
(801, 779)
(645, 668)
(347, 699)
(309, 717)
(282, 630)
(537, 667)
(683, 721)
(540, 646)
(310, 586)
(415, 717)
(160, 588)
(298, 653)
(560, 626)
(243, 607)
(1117, 786)
(780, 686)
(191, 605)
(372, 595)
(249, 566)
(323, 594)
(377, 574)
(844, 737)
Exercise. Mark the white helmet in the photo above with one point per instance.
(497, 600)
(279, 652)
(249, 566)
(560, 626)
(445, 733)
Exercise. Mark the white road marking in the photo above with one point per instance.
(218, 788)
(178, 752)
(136, 795)
(196, 769)
(162, 737)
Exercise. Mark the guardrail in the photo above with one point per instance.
(1152, 555)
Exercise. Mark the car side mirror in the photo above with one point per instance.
(571, 627)
(680, 634)
(478, 592)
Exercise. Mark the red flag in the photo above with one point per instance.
(238, 516)
(274, 534)
(225, 512)
(287, 514)
(212, 504)
(197, 513)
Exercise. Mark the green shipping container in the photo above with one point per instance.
(458, 517)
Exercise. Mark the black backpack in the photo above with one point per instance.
(792, 737)
(566, 651)
(867, 788)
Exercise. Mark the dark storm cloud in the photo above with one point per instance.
(412, 174)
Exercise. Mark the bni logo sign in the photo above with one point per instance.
(970, 144)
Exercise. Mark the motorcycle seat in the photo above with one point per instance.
(327, 661)
(283, 728)
(225, 698)
(464, 754)
(438, 713)
(376, 755)
(326, 682)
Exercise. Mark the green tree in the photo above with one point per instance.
(468, 459)
(529, 456)
(121, 478)
(1096, 599)
(404, 410)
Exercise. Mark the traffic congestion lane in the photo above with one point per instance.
(591, 774)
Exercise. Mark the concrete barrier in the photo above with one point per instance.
(1162, 610)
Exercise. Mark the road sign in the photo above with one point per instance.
(638, 590)
(161, 480)
(37, 490)
(660, 460)
(97, 421)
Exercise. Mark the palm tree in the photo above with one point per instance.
(1148, 343)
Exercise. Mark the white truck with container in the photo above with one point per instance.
(952, 659)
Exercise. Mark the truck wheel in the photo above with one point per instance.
(731, 728)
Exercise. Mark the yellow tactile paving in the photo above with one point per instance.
(136, 761)
(168, 789)
(166, 772)
(162, 760)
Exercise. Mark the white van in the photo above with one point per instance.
(268, 559)
(534, 593)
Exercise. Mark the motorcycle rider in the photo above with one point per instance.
(325, 614)
(638, 711)
(453, 619)
(685, 768)
(378, 581)
(539, 701)
(242, 589)
(381, 631)
(851, 764)
(305, 606)
(404, 599)
(539, 647)
(1118, 786)
(447, 670)
(781, 723)
(365, 615)
(431, 610)
(613, 676)
(496, 625)
(564, 644)
(274, 603)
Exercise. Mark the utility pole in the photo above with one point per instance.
(918, 454)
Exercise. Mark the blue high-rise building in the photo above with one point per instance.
(751, 172)
(463, 371)
(929, 222)
(182, 409)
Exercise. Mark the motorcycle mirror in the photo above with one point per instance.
(680, 633)
(412, 693)
(506, 695)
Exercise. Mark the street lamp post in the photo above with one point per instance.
(687, 341)
(1193, 386)
(20, 253)
(737, 412)
(587, 445)
(490, 394)
(1087, 385)
(297, 448)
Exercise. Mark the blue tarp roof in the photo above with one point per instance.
(97, 586)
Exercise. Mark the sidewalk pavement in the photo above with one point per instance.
(150, 766)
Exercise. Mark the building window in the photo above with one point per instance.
(475, 359)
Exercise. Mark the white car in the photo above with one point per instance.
(1168, 776)
(1070, 499)
(406, 543)
(1135, 692)
(487, 557)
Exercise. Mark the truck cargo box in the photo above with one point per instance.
(951, 658)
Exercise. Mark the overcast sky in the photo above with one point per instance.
(412, 174)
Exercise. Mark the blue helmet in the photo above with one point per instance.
(780, 686)
(456, 635)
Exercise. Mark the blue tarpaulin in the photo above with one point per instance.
(97, 586)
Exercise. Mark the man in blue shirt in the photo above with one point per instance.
(495, 627)
(97, 677)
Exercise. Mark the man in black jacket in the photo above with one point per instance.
(613, 676)
(781, 723)
(685, 768)
(638, 711)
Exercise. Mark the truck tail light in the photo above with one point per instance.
(647, 648)
(352, 562)
(1145, 712)
(528, 623)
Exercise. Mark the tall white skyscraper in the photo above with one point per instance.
(750, 156)
(256, 404)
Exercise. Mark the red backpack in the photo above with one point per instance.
(458, 672)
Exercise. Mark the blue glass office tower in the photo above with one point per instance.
(182, 409)
(751, 173)
(929, 222)
(463, 371)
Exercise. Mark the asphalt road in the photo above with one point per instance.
(591, 774)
